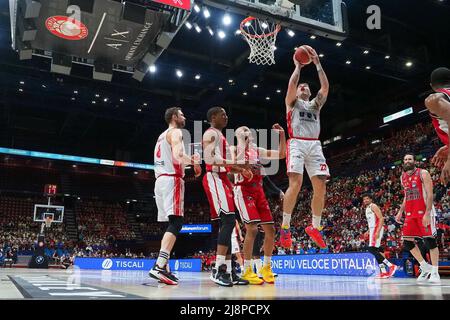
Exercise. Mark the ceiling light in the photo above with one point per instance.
(368, 67)
(267, 98)
(97, 95)
(409, 64)
(152, 68)
(139, 110)
(387, 57)
(291, 33)
(366, 52)
(211, 32)
(255, 86)
(197, 77)
(244, 93)
(238, 31)
(105, 100)
(197, 28)
(76, 92)
(21, 90)
(321, 55)
(338, 44)
(188, 25)
(278, 91)
(93, 102)
(348, 62)
(206, 13)
(226, 20)
(220, 88)
(313, 37)
(197, 8)
(179, 73)
(264, 25)
(221, 34)
(121, 100)
(145, 104)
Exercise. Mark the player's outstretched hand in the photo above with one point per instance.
(440, 157)
(277, 127)
(313, 54)
(445, 174)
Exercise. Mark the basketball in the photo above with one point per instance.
(302, 55)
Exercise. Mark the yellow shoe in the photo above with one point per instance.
(251, 277)
(267, 274)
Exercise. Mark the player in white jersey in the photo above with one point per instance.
(170, 159)
(375, 222)
(305, 150)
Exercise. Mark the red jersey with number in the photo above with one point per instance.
(439, 124)
(221, 148)
(414, 194)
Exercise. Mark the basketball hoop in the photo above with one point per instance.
(48, 221)
(261, 36)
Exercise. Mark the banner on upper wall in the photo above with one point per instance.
(342, 264)
(190, 265)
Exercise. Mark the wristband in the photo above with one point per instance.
(319, 67)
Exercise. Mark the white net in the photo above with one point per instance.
(48, 222)
(261, 36)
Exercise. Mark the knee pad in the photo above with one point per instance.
(227, 224)
(430, 243)
(175, 225)
(408, 245)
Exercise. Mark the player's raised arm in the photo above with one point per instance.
(275, 154)
(291, 94)
(322, 95)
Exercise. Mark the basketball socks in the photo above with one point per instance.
(228, 263)
(434, 269)
(286, 220)
(267, 260)
(258, 264)
(220, 260)
(386, 262)
(316, 221)
(162, 258)
(247, 263)
(382, 268)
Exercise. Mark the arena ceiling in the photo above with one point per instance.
(55, 113)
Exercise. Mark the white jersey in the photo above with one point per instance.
(303, 120)
(372, 218)
(165, 163)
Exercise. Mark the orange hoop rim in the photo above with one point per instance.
(243, 22)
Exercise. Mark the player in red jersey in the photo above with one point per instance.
(420, 219)
(218, 189)
(251, 201)
(438, 104)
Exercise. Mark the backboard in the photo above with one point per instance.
(41, 211)
(326, 18)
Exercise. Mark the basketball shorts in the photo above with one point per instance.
(373, 241)
(413, 226)
(169, 196)
(308, 154)
(219, 192)
(252, 204)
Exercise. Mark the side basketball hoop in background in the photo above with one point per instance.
(261, 35)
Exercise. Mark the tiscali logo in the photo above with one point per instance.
(66, 28)
(107, 264)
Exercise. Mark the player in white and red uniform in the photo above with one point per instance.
(252, 203)
(169, 161)
(420, 217)
(375, 222)
(305, 150)
(219, 191)
(439, 106)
